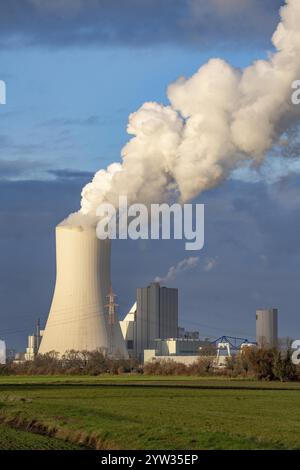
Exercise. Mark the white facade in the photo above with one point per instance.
(2, 352)
(78, 318)
(33, 345)
(128, 328)
(150, 355)
(177, 346)
(31, 349)
(182, 350)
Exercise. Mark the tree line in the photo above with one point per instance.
(252, 363)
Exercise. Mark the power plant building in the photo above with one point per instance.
(34, 342)
(154, 316)
(182, 350)
(267, 327)
(32, 348)
(2, 352)
(78, 318)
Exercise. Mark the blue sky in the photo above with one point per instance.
(68, 100)
(69, 108)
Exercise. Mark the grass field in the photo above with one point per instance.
(152, 412)
(15, 439)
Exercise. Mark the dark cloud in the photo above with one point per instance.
(11, 146)
(19, 168)
(19, 153)
(22, 168)
(71, 174)
(63, 23)
(252, 230)
(29, 212)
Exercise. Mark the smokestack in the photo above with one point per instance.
(77, 318)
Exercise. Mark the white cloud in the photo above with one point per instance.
(217, 120)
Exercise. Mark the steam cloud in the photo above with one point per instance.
(184, 265)
(217, 120)
(211, 264)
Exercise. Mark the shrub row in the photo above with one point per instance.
(261, 364)
(71, 363)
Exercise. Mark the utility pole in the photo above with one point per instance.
(112, 319)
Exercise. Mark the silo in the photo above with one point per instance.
(77, 318)
(267, 327)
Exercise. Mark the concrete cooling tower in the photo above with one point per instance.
(78, 319)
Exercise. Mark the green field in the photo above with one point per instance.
(15, 439)
(150, 412)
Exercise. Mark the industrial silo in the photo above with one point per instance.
(267, 327)
(77, 318)
(2, 352)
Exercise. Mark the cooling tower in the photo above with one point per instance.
(78, 318)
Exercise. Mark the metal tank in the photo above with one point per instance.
(2, 352)
(267, 327)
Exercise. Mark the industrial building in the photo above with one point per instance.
(154, 316)
(182, 350)
(228, 346)
(83, 314)
(34, 342)
(32, 348)
(2, 352)
(183, 333)
(79, 317)
(267, 327)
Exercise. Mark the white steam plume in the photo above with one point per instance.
(184, 265)
(210, 264)
(217, 120)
